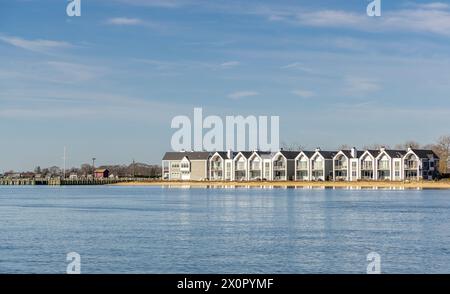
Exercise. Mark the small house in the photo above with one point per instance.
(101, 173)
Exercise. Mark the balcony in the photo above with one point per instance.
(341, 167)
(240, 167)
(411, 165)
(216, 167)
(255, 167)
(317, 167)
(367, 167)
(302, 167)
(279, 167)
(185, 168)
(384, 167)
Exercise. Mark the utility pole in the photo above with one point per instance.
(93, 166)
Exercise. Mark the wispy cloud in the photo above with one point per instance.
(303, 93)
(230, 64)
(156, 3)
(297, 66)
(293, 65)
(360, 85)
(51, 71)
(74, 72)
(125, 21)
(183, 65)
(421, 18)
(39, 45)
(433, 5)
(242, 94)
(134, 22)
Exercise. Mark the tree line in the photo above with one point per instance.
(138, 170)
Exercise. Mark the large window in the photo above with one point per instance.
(267, 170)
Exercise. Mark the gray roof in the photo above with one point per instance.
(290, 154)
(423, 153)
(374, 153)
(328, 154)
(395, 153)
(189, 155)
(223, 154)
(264, 154)
(246, 154)
(347, 153)
(308, 153)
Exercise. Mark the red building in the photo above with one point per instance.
(101, 173)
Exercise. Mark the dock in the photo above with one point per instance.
(62, 182)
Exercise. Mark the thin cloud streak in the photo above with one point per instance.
(242, 94)
(433, 19)
(303, 93)
(38, 45)
(125, 21)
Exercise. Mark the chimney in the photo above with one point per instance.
(318, 149)
(382, 149)
(354, 152)
(229, 153)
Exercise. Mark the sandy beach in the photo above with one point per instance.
(361, 184)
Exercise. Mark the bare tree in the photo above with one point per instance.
(292, 146)
(442, 149)
(375, 146)
(344, 147)
(86, 169)
(408, 144)
(37, 170)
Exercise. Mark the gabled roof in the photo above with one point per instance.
(189, 155)
(347, 153)
(327, 154)
(264, 154)
(246, 154)
(423, 153)
(222, 154)
(359, 153)
(290, 154)
(395, 153)
(373, 153)
(308, 154)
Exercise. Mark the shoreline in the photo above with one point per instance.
(442, 185)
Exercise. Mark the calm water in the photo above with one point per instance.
(161, 230)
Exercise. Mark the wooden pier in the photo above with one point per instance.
(61, 182)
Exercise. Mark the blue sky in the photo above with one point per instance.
(108, 83)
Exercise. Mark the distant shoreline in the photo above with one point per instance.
(284, 184)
